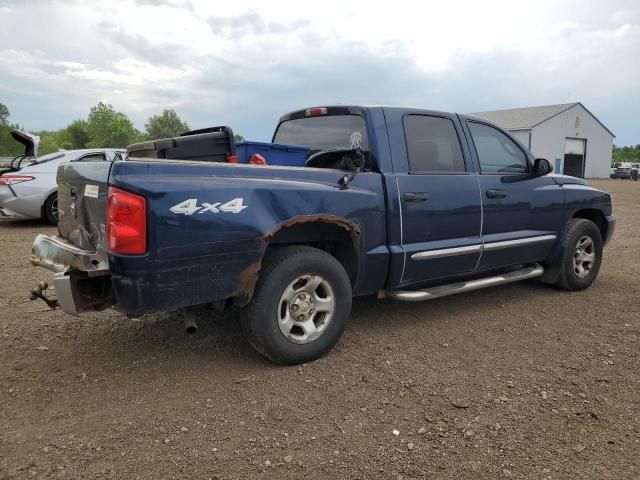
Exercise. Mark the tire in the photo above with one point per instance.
(581, 239)
(50, 209)
(286, 282)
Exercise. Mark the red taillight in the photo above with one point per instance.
(13, 179)
(232, 158)
(314, 112)
(126, 222)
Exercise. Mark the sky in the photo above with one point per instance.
(245, 63)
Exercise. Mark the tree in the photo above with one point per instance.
(74, 136)
(108, 128)
(626, 154)
(48, 142)
(8, 146)
(167, 124)
(4, 114)
(238, 138)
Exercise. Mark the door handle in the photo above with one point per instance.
(415, 197)
(494, 193)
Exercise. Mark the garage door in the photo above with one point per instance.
(574, 146)
(574, 149)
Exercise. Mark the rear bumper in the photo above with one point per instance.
(89, 281)
(58, 255)
(81, 277)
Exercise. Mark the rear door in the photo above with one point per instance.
(438, 195)
(522, 214)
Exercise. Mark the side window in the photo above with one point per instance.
(432, 145)
(497, 152)
(93, 157)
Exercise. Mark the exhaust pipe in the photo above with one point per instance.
(190, 325)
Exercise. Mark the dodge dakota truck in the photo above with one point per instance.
(407, 204)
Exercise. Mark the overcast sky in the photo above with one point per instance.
(244, 63)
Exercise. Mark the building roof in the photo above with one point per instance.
(528, 117)
(524, 118)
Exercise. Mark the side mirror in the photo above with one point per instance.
(541, 167)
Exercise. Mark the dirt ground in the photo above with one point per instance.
(520, 381)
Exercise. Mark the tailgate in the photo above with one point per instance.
(82, 199)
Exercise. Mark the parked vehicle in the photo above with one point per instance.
(624, 170)
(28, 187)
(404, 203)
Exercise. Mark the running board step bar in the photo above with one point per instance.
(453, 288)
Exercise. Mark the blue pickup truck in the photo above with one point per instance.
(407, 204)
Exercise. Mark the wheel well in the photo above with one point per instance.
(331, 238)
(597, 217)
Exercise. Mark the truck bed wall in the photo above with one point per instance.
(211, 255)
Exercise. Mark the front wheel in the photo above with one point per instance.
(580, 262)
(300, 307)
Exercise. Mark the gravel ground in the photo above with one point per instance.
(520, 381)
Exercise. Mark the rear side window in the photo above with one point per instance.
(497, 152)
(432, 145)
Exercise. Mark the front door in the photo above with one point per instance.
(439, 199)
(522, 214)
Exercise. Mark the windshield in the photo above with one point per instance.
(324, 132)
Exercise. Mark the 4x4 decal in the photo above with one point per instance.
(190, 206)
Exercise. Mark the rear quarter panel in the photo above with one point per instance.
(208, 255)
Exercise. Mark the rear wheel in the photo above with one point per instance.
(582, 255)
(301, 305)
(50, 209)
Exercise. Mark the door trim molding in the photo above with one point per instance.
(467, 249)
(446, 252)
(518, 242)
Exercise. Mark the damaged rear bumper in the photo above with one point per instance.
(81, 278)
(58, 255)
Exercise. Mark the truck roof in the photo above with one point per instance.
(349, 109)
(356, 108)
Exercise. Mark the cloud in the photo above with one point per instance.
(251, 23)
(247, 66)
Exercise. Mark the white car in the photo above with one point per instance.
(31, 190)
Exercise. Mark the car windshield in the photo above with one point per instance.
(324, 132)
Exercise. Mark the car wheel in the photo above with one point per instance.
(50, 209)
(582, 255)
(300, 307)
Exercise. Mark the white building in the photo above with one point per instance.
(568, 135)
